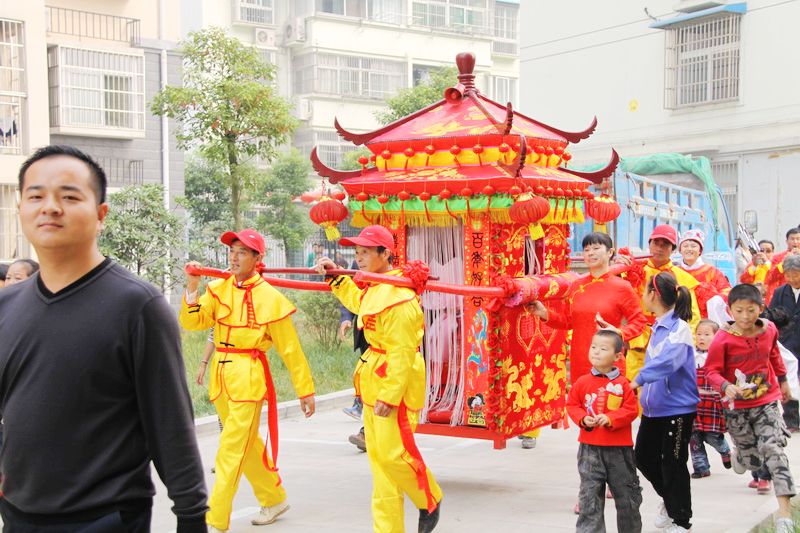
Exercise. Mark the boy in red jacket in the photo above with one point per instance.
(745, 365)
(604, 406)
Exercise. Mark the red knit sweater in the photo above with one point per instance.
(758, 359)
(619, 432)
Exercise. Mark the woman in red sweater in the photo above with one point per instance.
(595, 300)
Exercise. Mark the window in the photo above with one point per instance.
(12, 241)
(391, 11)
(256, 11)
(350, 8)
(726, 175)
(505, 29)
(504, 89)
(421, 74)
(464, 16)
(702, 62)
(96, 89)
(330, 147)
(12, 86)
(348, 75)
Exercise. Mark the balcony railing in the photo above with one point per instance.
(122, 172)
(90, 25)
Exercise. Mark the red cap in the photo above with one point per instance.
(249, 237)
(666, 232)
(371, 236)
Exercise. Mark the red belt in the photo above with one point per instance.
(272, 406)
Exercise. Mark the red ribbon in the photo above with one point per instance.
(417, 463)
(272, 407)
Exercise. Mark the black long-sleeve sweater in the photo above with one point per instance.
(92, 388)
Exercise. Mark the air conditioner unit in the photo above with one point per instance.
(303, 108)
(264, 37)
(295, 32)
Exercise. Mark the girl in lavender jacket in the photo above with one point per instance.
(669, 401)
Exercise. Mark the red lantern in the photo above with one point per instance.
(424, 196)
(514, 190)
(488, 190)
(538, 189)
(363, 161)
(478, 149)
(307, 197)
(445, 194)
(409, 152)
(339, 196)
(403, 195)
(328, 213)
(504, 148)
(455, 149)
(430, 149)
(362, 196)
(530, 209)
(382, 199)
(386, 154)
(466, 192)
(602, 209)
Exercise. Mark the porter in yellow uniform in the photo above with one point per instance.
(249, 316)
(390, 379)
(663, 241)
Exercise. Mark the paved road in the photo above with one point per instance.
(486, 491)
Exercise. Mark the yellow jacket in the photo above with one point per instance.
(685, 279)
(251, 317)
(392, 370)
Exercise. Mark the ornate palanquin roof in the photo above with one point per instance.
(464, 153)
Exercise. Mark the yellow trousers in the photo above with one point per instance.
(392, 474)
(240, 452)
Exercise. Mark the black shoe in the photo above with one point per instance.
(428, 521)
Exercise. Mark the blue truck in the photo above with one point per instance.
(673, 189)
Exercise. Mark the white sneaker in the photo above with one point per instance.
(269, 514)
(662, 520)
(736, 462)
(784, 525)
(675, 528)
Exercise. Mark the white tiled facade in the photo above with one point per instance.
(343, 58)
(82, 72)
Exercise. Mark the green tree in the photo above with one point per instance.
(280, 216)
(350, 159)
(413, 99)
(228, 108)
(142, 235)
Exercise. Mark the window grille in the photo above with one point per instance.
(12, 242)
(505, 89)
(256, 11)
(348, 76)
(702, 62)
(726, 175)
(96, 89)
(12, 86)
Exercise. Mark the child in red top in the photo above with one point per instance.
(604, 406)
(745, 365)
(709, 425)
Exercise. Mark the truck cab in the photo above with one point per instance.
(667, 189)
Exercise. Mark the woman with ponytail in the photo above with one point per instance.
(669, 401)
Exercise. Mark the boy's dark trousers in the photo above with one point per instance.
(15, 521)
(615, 465)
(791, 414)
(662, 451)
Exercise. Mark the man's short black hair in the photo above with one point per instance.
(611, 334)
(97, 172)
(3, 271)
(791, 232)
(767, 241)
(747, 292)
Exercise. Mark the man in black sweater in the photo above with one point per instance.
(92, 382)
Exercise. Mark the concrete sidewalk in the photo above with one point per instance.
(511, 491)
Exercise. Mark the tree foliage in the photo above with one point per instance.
(280, 216)
(141, 234)
(228, 108)
(350, 159)
(413, 99)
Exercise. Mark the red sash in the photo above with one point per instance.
(272, 406)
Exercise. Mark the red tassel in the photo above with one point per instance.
(447, 207)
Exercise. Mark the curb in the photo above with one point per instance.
(208, 425)
(767, 524)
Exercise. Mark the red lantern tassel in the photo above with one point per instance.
(447, 207)
(427, 213)
(364, 213)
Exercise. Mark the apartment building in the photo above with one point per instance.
(83, 72)
(705, 77)
(343, 58)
